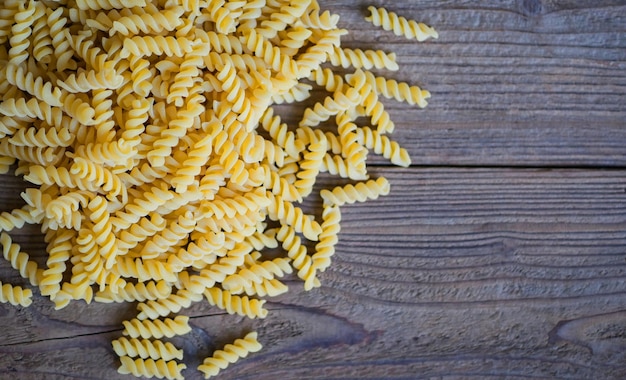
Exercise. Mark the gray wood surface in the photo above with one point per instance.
(499, 254)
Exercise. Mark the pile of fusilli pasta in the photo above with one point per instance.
(155, 159)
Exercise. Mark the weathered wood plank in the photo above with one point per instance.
(458, 273)
(521, 83)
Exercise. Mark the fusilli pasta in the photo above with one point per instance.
(158, 167)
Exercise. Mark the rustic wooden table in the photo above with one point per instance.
(499, 254)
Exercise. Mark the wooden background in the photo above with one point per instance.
(501, 253)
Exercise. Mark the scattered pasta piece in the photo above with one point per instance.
(156, 160)
(221, 359)
(400, 26)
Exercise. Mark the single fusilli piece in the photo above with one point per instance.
(366, 59)
(144, 348)
(240, 348)
(20, 260)
(360, 192)
(157, 328)
(147, 23)
(241, 305)
(142, 291)
(151, 368)
(170, 304)
(15, 295)
(400, 25)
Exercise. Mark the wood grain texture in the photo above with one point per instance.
(471, 273)
(466, 270)
(516, 83)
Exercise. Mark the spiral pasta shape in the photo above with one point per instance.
(360, 192)
(139, 207)
(151, 368)
(365, 59)
(325, 248)
(170, 304)
(108, 4)
(220, 359)
(188, 71)
(7, 18)
(310, 167)
(232, 304)
(159, 169)
(42, 137)
(322, 21)
(42, 40)
(213, 274)
(144, 270)
(36, 86)
(59, 248)
(145, 46)
(339, 102)
(144, 348)
(344, 168)
(65, 209)
(134, 125)
(256, 274)
(157, 328)
(21, 31)
(301, 260)
(98, 176)
(400, 26)
(83, 46)
(20, 260)
(383, 145)
(103, 230)
(84, 81)
(261, 47)
(18, 217)
(221, 43)
(149, 290)
(177, 128)
(147, 23)
(285, 16)
(280, 133)
(267, 288)
(62, 52)
(34, 155)
(319, 53)
(79, 109)
(291, 215)
(400, 91)
(15, 295)
(108, 152)
(326, 77)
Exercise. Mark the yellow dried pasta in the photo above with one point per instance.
(156, 160)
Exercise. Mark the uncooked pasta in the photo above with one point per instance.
(160, 170)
